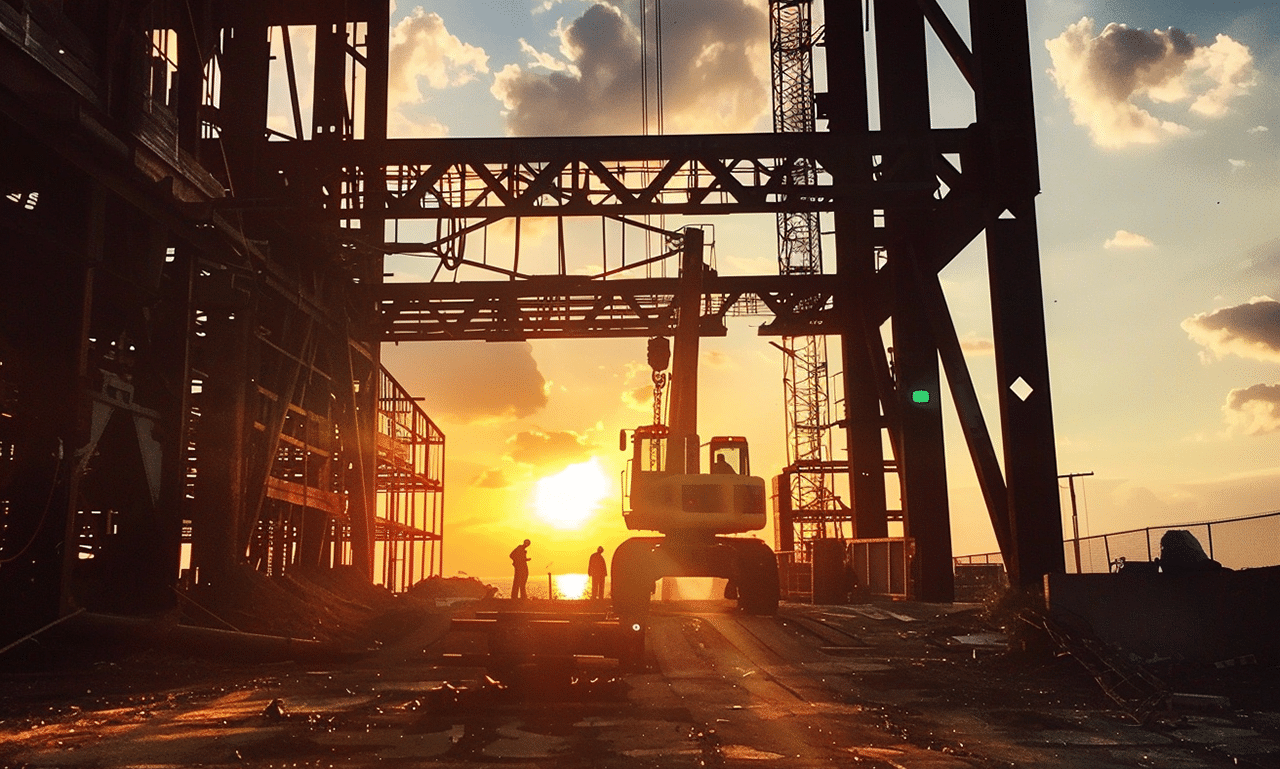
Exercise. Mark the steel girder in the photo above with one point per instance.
(696, 175)
(552, 307)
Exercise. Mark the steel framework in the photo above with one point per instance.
(185, 388)
(192, 301)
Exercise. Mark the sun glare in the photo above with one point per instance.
(567, 499)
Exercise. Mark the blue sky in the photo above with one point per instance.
(1160, 251)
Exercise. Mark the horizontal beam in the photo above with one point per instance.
(588, 176)
(576, 307)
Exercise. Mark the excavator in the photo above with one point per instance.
(666, 492)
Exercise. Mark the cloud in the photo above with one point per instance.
(1264, 260)
(546, 60)
(1236, 165)
(1256, 409)
(1127, 240)
(640, 399)
(471, 382)
(424, 53)
(1104, 76)
(492, 479)
(972, 345)
(1250, 330)
(557, 449)
(713, 76)
(1258, 129)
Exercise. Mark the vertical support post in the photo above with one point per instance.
(359, 427)
(855, 267)
(329, 105)
(784, 533)
(172, 346)
(904, 108)
(1005, 113)
(191, 77)
(245, 81)
(219, 508)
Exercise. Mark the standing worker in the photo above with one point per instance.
(520, 562)
(597, 571)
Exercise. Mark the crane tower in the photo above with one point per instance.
(814, 508)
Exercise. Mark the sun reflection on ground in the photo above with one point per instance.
(572, 586)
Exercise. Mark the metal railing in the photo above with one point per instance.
(874, 567)
(1237, 543)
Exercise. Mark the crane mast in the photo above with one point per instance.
(805, 375)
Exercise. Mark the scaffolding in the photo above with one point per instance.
(410, 521)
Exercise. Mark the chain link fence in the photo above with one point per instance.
(1236, 543)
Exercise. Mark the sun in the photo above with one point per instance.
(567, 499)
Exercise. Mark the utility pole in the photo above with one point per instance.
(1075, 521)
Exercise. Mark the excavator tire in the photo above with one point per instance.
(632, 577)
(758, 580)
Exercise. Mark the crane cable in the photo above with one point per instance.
(644, 91)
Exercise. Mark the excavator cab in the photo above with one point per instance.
(668, 496)
(729, 455)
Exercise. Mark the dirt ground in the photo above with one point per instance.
(883, 686)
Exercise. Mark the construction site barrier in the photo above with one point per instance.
(879, 568)
(1237, 543)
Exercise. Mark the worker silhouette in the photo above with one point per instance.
(597, 571)
(722, 467)
(520, 563)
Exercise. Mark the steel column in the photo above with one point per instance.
(922, 472)
(1002, 54)
(855, 267)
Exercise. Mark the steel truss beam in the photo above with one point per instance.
(593, 176)
(553, 307)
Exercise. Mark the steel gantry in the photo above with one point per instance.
(904, 200)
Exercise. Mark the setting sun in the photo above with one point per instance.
(567, 499)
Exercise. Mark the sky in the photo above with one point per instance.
(1159, 225)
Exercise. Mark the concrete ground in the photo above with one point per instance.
(901, 685)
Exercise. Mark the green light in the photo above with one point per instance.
(919, 396)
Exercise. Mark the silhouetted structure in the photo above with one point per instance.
(192, 300)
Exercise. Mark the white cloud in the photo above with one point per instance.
(1258, 129)
(1228, 65)
(1103, 78)
(546, 5)
(1236, 165)
(1123, 239)
(715, 77)
(1250, 330)
(423, 52)
(546, 60)
(1255, 409)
